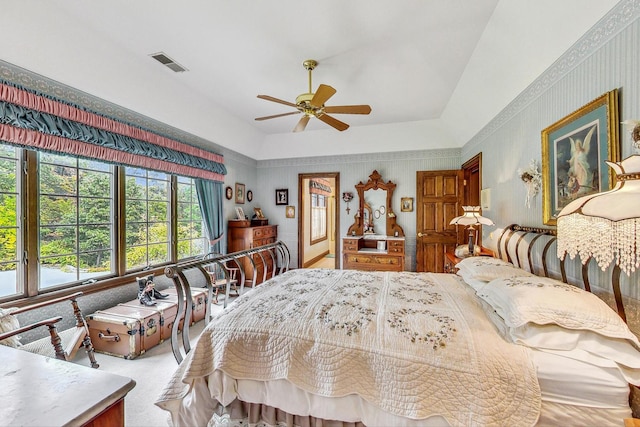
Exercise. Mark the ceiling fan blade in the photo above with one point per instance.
(348, 109)
(277, 115)
(302, 124)
(321, 96)
(333, 122)
(279, 101)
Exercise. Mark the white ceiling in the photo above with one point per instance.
(439, 68)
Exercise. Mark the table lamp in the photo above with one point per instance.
(471, 218)
(606, 226)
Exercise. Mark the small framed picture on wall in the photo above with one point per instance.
(291, 212)
(239, 193)
(282, 196)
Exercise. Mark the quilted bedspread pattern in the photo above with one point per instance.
(413, 344)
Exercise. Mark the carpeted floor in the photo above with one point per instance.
(151, 371)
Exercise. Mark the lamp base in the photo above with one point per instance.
(462, 251)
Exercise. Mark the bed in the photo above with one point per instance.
(493, 344)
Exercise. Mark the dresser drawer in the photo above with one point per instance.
(372, 259)
(350, 245)
(395, 246)
(263, 232)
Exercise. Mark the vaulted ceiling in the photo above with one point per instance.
(440, 67)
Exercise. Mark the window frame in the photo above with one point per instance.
(30, 229)
(312, 209)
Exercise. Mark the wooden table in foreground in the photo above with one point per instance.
(41, 391)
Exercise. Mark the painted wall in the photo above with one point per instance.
(399, 167)
(606, 58)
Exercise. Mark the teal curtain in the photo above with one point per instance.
(211, 199)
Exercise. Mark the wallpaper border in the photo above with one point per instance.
(620, 17)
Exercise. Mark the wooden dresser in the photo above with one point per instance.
(240, 238)
(373, 254)
(42, 391)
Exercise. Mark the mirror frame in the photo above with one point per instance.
(375, 182)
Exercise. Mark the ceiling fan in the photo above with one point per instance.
(312, 105)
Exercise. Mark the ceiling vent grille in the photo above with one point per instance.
(168, 62)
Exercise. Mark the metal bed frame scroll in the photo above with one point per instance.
(277, 253)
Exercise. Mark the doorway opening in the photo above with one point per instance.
(318, 219)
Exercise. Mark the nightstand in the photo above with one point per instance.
(450, 260)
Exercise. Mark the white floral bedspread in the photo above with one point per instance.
(413, 344)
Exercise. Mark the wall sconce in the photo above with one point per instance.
(347, 197)
(633, 127)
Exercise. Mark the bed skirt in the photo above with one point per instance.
(244, 414)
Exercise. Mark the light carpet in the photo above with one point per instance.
(151, 371)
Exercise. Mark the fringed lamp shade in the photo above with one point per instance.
(605, 226)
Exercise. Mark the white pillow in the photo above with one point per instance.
(468, 278)
(488, 268)
(543, 301)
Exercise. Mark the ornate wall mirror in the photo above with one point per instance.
(375, 214)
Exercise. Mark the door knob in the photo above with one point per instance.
(420, 234)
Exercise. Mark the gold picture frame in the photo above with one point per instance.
(406, 204)
(574, 150)
(259, 213)
(290, 212)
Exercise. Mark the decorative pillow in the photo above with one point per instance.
(551, 316)
(468, 278)
(9, 323)
(488, 268)
(545, 301)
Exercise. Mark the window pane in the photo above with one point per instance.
(60, 180)
(10, 213)
(148, 214)
(94, 211)
(76, 219)
(95, 184)
(57, 210)
(57, 240)
(159, 211)
(190, 235)
(94, 237)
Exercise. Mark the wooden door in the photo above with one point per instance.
(439, 198)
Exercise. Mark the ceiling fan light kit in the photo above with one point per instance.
(311, 104)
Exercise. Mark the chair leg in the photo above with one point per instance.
(88, 346)
(56, 342)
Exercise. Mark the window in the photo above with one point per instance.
(318, 217)
(190, 240)
(147, 218)
(10, 224)
(71, 233)
(76, 220)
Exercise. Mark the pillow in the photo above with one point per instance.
(488, 268)
(552, 316)
(544, 301)
(468, 278)
(9, 323)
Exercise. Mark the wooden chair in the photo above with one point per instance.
(61, 344)
(218, 277)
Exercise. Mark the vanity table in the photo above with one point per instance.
(374, 242)
(373, 253)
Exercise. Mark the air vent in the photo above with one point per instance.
(168, 62)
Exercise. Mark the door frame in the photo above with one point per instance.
(303, 209)
(472, 170)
